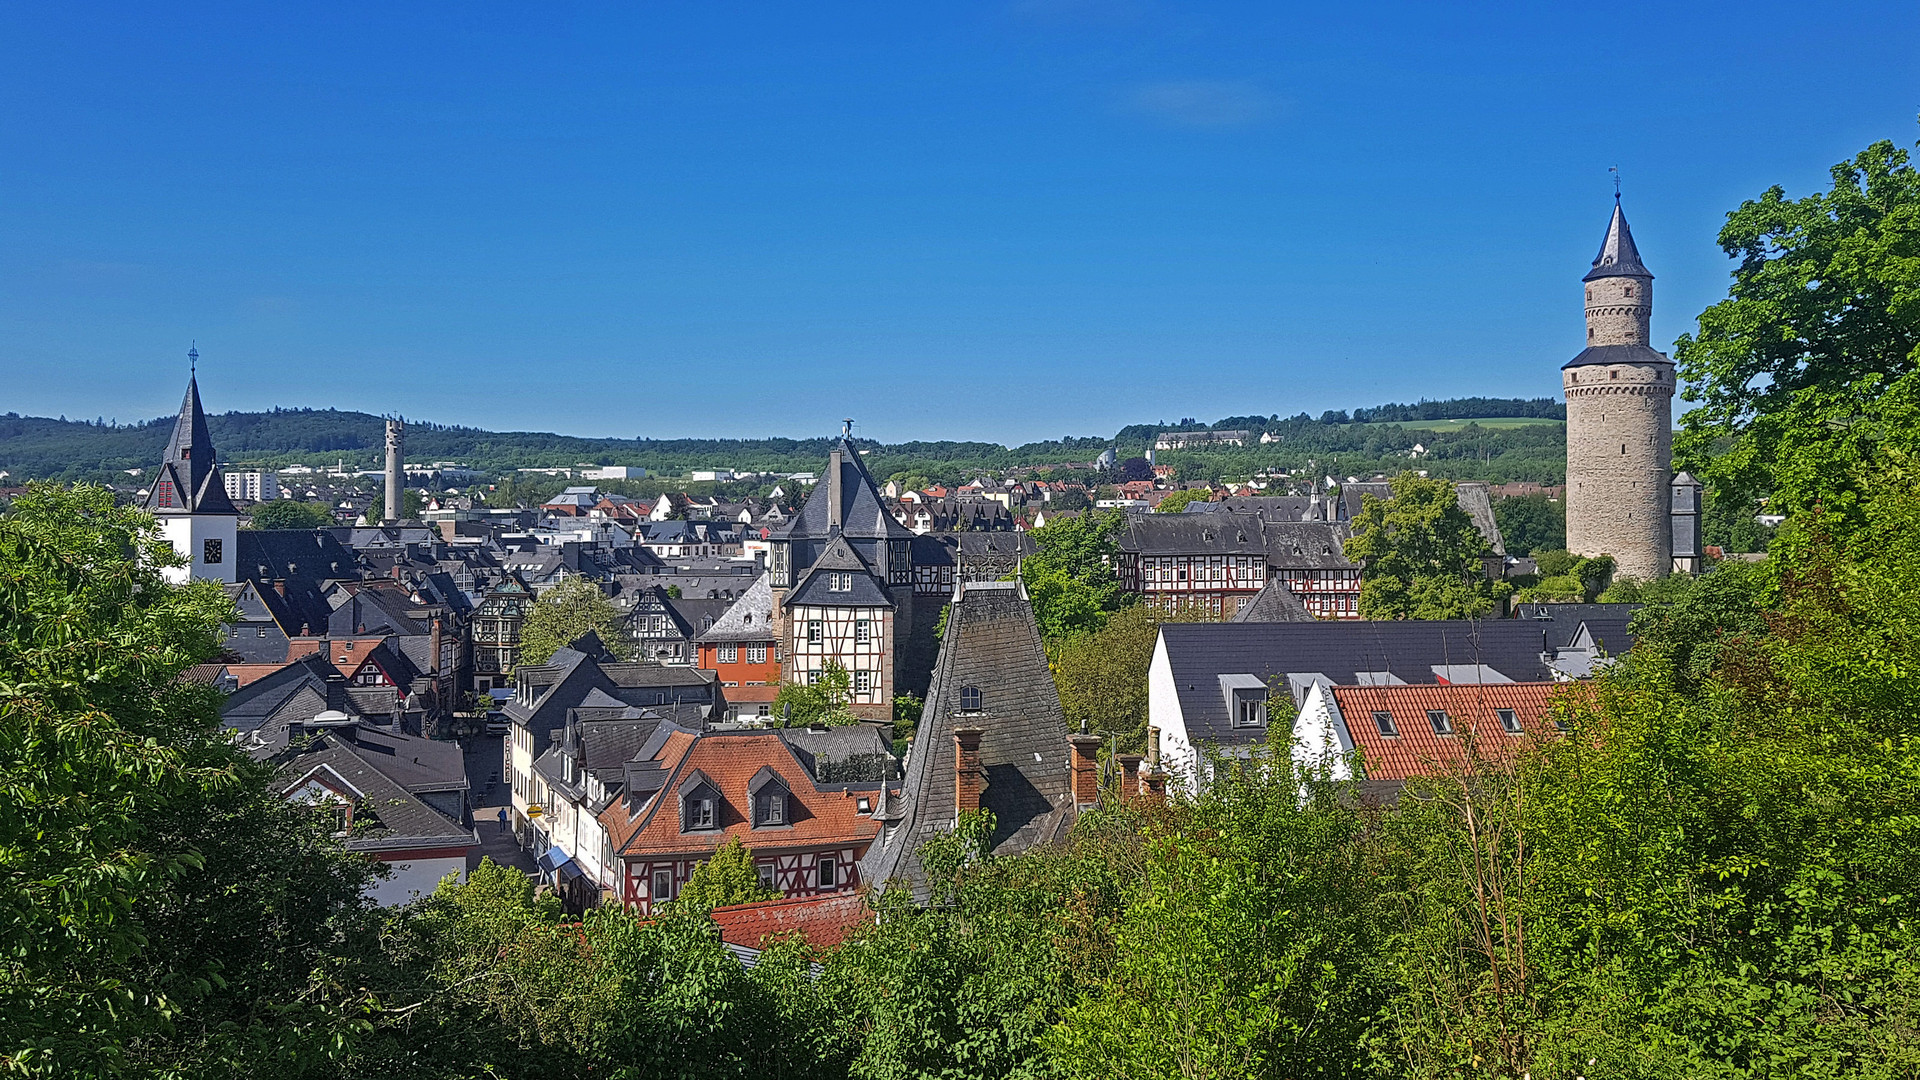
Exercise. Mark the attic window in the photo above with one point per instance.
(1509, 720)
(840, 582)
(971, 699)
(1442, 725)
(1384, 722)
(770, 806)
(864, 806)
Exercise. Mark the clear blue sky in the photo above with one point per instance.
(1001, 220)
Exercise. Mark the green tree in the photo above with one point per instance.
(821, 701)
(1069, 501)
(566, 613)
(1070, 577)
(1177, 502)
(1102, 675)
(1531, 523)
(1808, 368)
(1420, 555)
(410, 504)
(728, 876)
(164, 911)
(288, 514)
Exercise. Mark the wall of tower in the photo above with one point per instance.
(1620, 311)
(396, 471)
(1619, 453)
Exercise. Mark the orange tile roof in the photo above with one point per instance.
(730, 760)
(754, 692)
(825, 920)
(1418, 751)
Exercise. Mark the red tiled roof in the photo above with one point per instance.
(730, 759)
(824, 920)
(1417, 750)
(752, 692)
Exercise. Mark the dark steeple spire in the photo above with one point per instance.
(1618, 257)
(190, 480)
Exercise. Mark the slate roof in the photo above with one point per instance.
(1565, 619)
(1269, 507)
(991, 644)
(304, 560)
(978, 545)
(1273, 603)
(863, 513)
(405, 821)
(1616, 354)
(1343, 654)
(1618, 257)
(1219, 533)
(839, 557)
(189, 466)
(749, 619)
(296, 691)
(1306, 545)
(1475, 500)
(1417, 751)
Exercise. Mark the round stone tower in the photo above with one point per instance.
(1620, 419)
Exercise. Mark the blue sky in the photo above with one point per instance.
(1000, 220)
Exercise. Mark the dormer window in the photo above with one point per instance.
(840, 582)
(699, 813)
(770, 808)
(971, 700)
(699, 804)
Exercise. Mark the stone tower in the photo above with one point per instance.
(1620, 419)
(396, 471)
(189, 497)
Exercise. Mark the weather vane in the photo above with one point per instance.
(846, 428)
(193, 358)
(1615, 170)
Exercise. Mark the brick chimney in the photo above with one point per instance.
(1084, 752)
(280, 586)
(1157, 788)
(1129, 776)
(969, 779)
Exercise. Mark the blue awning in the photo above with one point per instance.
(553, 859)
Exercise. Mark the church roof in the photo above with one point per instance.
(189, 480)
(863, 513)
(1618, 256)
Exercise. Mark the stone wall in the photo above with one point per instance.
(1619, 453)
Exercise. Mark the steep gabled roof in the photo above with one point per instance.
(190, 475)
(863, 513)
(1618, 256)
(814, 586)
(749, 619)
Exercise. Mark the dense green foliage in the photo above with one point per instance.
(1566, 578)
(566, 613)
(729, 876)
(1070, 576)
(820, 702)
(1530, 524)
(1420, 555)
(1808, 374)
(1102, 674)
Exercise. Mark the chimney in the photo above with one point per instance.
(833, 488)
(1084, 752)
(1153, 749)
(433, 647)
(1129, 776)
(1157, 788)
(968, 778)
(396, 476)
(280, 586)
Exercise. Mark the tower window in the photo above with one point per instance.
(1613, 374)
(970, 699)
(163, 493)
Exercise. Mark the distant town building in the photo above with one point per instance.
(614, 472)
(254, 485)
(1184, 440)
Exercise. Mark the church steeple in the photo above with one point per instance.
(1618, 256)
(190, 481)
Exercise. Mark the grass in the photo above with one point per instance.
(1488, 422)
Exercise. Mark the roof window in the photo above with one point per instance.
(1442, 725)
(971, 700)
(1384, 722)
(1509, 720)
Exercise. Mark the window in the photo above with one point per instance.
(813, 631)
(662, 885)
(862, 631)
(1561, 725)
(729, 654)
(828, 872)
(210, 552)
(1384, 722)
(1438, 718)
(863, 805)
(756, 654)
(1247, 711)
(862, 681)
(840, 582)
(770, 807)
(971, 699)
(163, 493)
(766, 874)
(699, 813)
(263, 632)
(1509, 720)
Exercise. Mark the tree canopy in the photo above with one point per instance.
(1420, 554)
(565, 614)
(290, 514)
(1070, 577)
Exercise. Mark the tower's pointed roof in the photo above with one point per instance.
(1618, 257)
(190, 481)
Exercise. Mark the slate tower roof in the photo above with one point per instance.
(1618, 256)
(862, 514)
(189, 480)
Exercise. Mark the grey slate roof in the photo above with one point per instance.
(1273, 603)
(1618, 256)
(749, 619)
(1478, 503)
(1306, 545)
(1347, 654)
(1222, 532)
(992, 644)
(1270, 507)
(839, 557)
(406, 821)
(1616, 354)
(189, 465)
(863, 513)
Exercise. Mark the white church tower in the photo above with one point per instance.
(189, 497)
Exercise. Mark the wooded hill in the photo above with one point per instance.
(38, 447)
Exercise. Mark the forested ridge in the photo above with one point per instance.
(38, 447)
